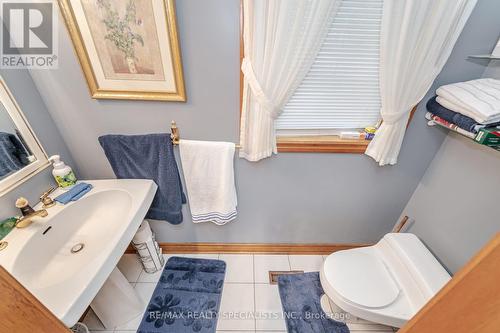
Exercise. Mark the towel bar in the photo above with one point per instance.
(174, 135)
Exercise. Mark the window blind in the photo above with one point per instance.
(341, 90)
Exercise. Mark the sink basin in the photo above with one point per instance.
(65, 258)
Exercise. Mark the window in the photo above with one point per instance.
(341, 90)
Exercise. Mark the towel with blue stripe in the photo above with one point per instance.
(209, 175)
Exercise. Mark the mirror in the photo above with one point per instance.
(21, 155)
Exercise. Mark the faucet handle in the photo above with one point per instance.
(46, 200)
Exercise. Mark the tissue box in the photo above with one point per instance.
(489, 137)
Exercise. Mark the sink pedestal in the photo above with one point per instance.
(117, 302)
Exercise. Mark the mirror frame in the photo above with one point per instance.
(18, 118)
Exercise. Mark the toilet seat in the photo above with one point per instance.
(385, 283)
(374, 287)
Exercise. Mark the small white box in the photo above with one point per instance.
(349, 135)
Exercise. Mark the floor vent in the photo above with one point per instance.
(273, 275)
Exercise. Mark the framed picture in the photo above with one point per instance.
(128, 49)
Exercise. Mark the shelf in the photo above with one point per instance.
(485, 56)
(456, 129)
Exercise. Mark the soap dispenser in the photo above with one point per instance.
(63, 174)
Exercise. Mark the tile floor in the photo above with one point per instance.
(246, 290)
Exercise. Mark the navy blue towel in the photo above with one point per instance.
(149, 156)
(13, 155)
(456, 118)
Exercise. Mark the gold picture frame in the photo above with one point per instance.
(109, 65)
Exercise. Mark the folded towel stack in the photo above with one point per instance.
(209, 175)
(477, 99)
(75, 193)
(462, 121)
(467, 107)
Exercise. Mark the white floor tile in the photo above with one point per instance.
(268, 309)
(149, 277)
(237, 307)
(239, 268)
(145, 291)
(241, 299)
(130, 266)
(265, 263)
(306, 263)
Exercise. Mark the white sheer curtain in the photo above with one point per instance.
(281, 39)
(417, 38)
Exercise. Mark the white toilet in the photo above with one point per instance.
(385, 283)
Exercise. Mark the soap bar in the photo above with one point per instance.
(6, 226)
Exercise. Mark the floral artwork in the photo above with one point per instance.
(128, 49)
(120, 31)
(123, 31)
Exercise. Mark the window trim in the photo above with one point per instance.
(321, 144)
(310, 144)
(326, 143)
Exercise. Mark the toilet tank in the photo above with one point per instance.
(408, 257)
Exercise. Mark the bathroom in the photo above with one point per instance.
(317, 197)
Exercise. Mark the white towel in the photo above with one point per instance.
(209, 174)
(478, 99)
(469, 113)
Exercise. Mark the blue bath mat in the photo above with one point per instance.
(300, 297)
(187, 297)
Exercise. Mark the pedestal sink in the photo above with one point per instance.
(66, 257)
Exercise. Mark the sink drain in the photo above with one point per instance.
(77, 248)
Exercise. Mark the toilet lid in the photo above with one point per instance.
(361, 277)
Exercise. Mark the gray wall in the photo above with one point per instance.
(334, 198)
(455, 206)
(22, 87)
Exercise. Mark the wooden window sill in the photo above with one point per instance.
(321, 144)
